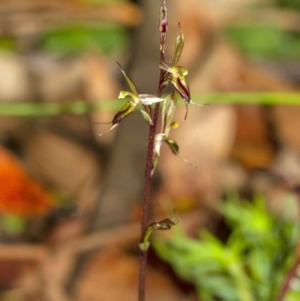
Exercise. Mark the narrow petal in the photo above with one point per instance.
(147, 99)
(129, 81)
(147, 117)
(178, 47)
(168, 111)
(113, 126)
(175, 150)
(199, 104)
(158, 140)
(154, 163)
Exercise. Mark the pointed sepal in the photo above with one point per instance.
(147, 117)
(148, 99)
(175, 150)
(129, 81)
(112, 127)
(158, 140)
(168, 111)
(178, 47)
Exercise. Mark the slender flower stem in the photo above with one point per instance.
(146, 203)
(149, 161)
(147, 191)
(163, 27)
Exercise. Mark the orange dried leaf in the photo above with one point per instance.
(19, 193)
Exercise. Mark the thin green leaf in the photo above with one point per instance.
(82, 107)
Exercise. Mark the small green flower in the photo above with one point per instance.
(168, 111)
(146, 100)
(165, 224)
(179, 81)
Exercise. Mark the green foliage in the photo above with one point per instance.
(265, 42)
(12, 224)
(8, 43)
(78, 38)
(82, 107)
(290, 4)
(249, 266)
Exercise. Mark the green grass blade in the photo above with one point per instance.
(81, 107)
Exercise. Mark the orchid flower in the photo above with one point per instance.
(165, 224)
(167, 123)
(146, 100)
(179, 81)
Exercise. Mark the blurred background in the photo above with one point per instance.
(70, 201)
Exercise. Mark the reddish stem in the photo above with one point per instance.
(147, 191)
(146, 203)
(163, 26)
